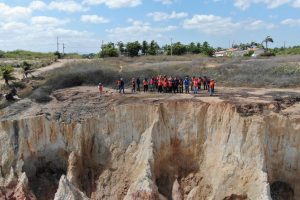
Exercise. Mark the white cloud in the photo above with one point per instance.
(138, 30)
(258, 24)
(160, 16)
(211, 24)
(95, 19)
(37, 5)
(165, 2)
(47, 21)
(291, 22)
(217, 25)
(43, 32)
(296, 4)
(13, 26)
(66, 6)
(245, 4)
(8, 13)
(114, 3)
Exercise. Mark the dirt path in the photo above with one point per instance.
(58, 64)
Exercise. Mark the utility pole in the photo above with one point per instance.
(284, 44)
(64, 48)
(171, 46)
(57, 44)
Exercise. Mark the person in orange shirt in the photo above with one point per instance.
(192, 83)
(195, 83)
(212, 87)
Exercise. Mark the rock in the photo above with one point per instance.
(67, 191)
(176, 191)
(133, 150)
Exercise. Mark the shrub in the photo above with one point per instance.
(6, 72)
(58, 55)
(109, 50)
(268, 54)
(249, 53)
(41, 95)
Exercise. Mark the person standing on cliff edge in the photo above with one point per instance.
(212, 87)
(122, 86)
(100, 88)
(133, 85)
(138, 83)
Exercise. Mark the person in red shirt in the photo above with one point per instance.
(145, 82)
(160, 85)
(165, 85)
(133, 85)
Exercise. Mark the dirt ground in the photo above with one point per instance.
(78, 103)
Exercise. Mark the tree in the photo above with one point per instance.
(6, 72)
(145, 47)
(58, 55)
(109, 50)
(121, 47)
(207, 49)
(2, 54)
(193, 48)
(26, 68)
(177, 49)
(133, 48)
(154, 48)
(267, 40)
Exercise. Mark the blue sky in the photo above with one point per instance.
(83, 24)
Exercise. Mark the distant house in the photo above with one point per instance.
(220, 54)
(235, 52)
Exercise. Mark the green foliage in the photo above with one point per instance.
(267, 40)
(21, 54)
(89, 56)
(287, 70)
(2, 54)
(58, 55)
(145, 47)
(6, 72)
(121, 47)
(249, 53)
(245, 46)
(133, 48)
(109, 50)
(287, 51)
(177, 49)
(268, 54)
(153, 48)
(194, 49)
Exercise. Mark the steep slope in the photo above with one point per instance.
(153, 149)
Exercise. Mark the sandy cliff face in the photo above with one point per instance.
(179, 149)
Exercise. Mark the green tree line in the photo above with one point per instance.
(136, 48)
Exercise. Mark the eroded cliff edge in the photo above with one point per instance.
(152, 149)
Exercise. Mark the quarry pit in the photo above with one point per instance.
(241, 144)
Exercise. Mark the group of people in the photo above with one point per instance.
(164, 84)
